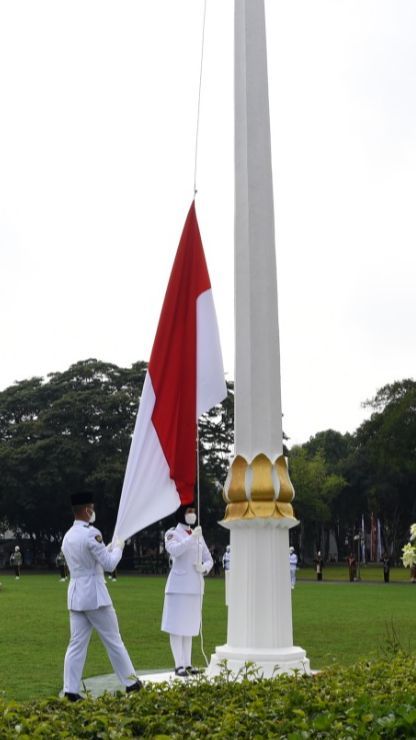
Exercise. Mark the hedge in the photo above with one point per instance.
(369, 700)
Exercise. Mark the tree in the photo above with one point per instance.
(315, 488)
(387, 443)
(333, 446)
(69, 432)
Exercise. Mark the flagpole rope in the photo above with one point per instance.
(201, 635)
(197, 475)
(199, 96)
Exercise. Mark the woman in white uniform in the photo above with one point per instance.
(191, 560)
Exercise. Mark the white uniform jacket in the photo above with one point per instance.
(293, 561)
(185, 552)
(87, 559)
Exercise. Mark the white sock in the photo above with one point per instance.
(177, 651)
(187, 650)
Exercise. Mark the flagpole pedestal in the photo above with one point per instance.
(260, 602)
(263, 663)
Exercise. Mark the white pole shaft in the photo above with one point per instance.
(258, 413)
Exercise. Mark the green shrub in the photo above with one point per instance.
(368, 700)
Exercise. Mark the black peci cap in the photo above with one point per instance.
(180, 513)
(82, 497)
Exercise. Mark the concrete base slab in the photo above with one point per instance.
(98, 685)
(287, 661)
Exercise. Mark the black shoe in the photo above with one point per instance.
(192, 671)
(134, 687)
(73, 697)
(181, 672)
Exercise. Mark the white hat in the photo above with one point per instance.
(291, 549)
(16, 548)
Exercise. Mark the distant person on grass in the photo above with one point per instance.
(89, 602)
(16, 561)
(61, 565)
(293, 564)
(226, 558)
(226, 564)
(319, 565)
(352, 567)
(386, 567)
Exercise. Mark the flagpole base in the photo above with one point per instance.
(263, 663)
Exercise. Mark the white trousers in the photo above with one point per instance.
(293, 577)
(182, 650)
(104, 620)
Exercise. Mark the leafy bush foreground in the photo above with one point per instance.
(368, 700)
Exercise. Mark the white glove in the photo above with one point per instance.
(199, 568)
(118, 543)
(197, 532)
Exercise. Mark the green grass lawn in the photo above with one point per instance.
(332, 621)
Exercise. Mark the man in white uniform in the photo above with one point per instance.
(191, 560)
(89, 602)
(293, 563)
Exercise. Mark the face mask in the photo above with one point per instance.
(190, 519)
(92, 517)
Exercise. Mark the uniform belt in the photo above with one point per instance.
(86, 573)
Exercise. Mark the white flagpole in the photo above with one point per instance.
(258, 490)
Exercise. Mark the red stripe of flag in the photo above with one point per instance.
(174, 357)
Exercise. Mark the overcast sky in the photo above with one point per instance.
(97, 141)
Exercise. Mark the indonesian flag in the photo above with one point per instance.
(185, 377)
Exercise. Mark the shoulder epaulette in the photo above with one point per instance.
(170, 533)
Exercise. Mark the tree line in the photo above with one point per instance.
(73, 429)
(343, 480)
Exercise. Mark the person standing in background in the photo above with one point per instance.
(16, 561)
(293, 564)
(61, 564)
(319, 565)
(226, 563)
(386, 567)
(226, 558)
(352, 567)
